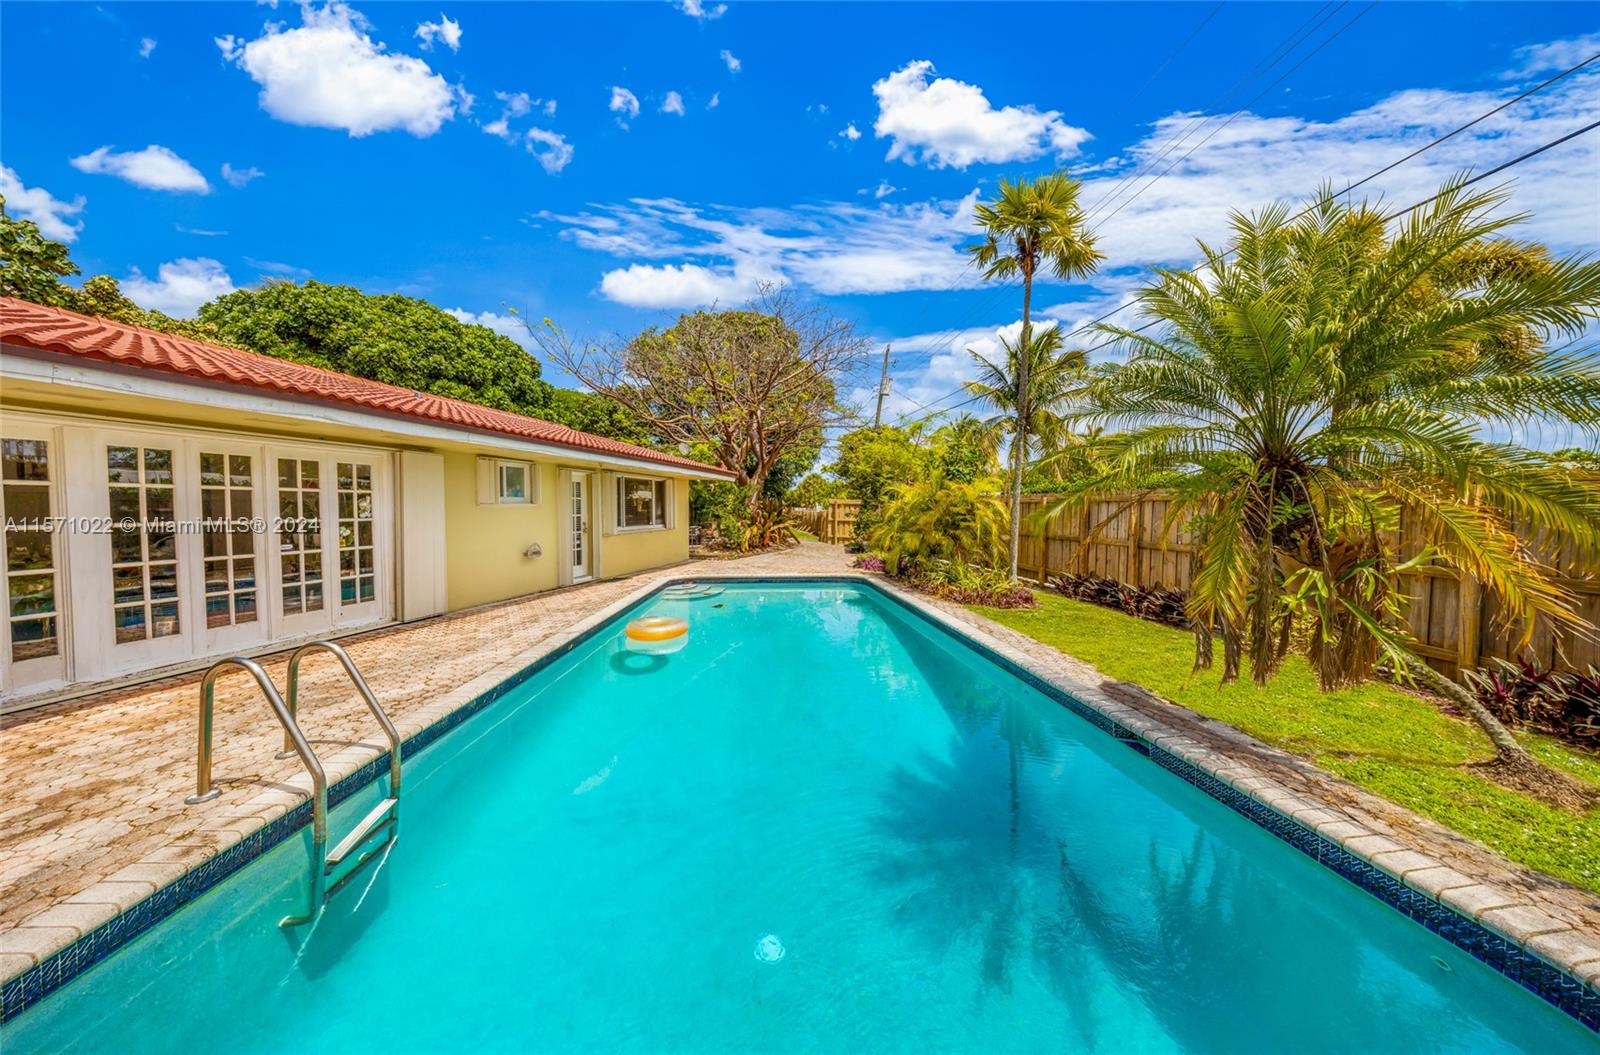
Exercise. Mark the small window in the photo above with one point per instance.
(514, 482)
(641, 502)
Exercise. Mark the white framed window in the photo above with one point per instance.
(505, 482)
(641, 503)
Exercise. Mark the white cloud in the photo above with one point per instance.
(947, 123)
(506, 325)
(550, 149)
(851, 132)
(625, 103)
(672, 104)
(155, 167)
(1553, 56)
(716, 101)
(240, 177)
(687, 255)
(678, 286)
(329, 73)
(146, 46)
(51, 214)
(883, 189)
(701, 11)
(445, 31)
(200, 231)
(730, 60)
(1257, 160)
(180, 286)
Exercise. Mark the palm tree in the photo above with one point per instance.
(939, 519)
(1032, 225)
(1046, 379)
(1332, 374)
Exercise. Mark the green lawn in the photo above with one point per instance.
(1391, 742)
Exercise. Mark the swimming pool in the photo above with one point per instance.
(824, 825)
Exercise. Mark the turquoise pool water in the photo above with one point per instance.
(823, 826)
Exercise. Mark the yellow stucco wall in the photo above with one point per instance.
(626, 552)
(484, 544)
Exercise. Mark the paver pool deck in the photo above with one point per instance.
(92, 817)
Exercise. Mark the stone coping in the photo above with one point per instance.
(1544, 954)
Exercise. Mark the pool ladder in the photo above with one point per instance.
(383, 818)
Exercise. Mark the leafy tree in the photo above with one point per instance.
(746, 387)
(815, 490)
(872, 461)
(1329, 373)
(966, 449)
(588, 412)
(1030, 226)
(386, 337)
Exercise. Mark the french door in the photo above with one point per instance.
(578, 527)
(32, 636)
(332, 537)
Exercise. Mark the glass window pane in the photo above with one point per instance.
(125, 546)
(347, 505)
(347, 562)
(33, 594)
(218, 612)
(513, 486)
(130, 624)
(347, 591)
(125, 504)
(27, 502)
(244, 608)
(243, 541)
(213, 504)
(364, 532)
(163, 580)
(291, 600)
(661, 503)
(244, 574)
(313, 565)
(239, 470)
(157, 466)
(310, 475)
(25, 459)
(314, 597)
(291, 568)
(216, 543)
(33, 638)
(122, 464)
(216, 576)
(163, 620)
(210, 470)
(347, 476)
(364, 505)
(288, 506)
(367, 590)
(29, 550)
(127, 584)
(311, 506)
(243, 505)
(287, 477)
(158, 504)
(163, 545)
(363, 477)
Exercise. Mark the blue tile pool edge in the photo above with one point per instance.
(1528, 969)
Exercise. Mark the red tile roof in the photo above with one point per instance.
(29, 325)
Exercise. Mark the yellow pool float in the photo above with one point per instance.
(657, 633)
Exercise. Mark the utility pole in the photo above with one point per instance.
(883, 387)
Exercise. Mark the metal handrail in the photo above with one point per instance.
(366, 694)
(293, 738)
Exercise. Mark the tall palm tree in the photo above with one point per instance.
(1333, 373)
(1029, 226)
(1032, 389)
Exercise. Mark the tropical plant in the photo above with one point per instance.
(767, 525)
(956, 580)
(1054, 378)
(1330, 373)
(1031, 226)
(938, 519)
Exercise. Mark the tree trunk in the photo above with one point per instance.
(1019, 438)
(1506, 746)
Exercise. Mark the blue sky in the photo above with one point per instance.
(609, 165)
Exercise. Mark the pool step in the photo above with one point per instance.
(381, 816)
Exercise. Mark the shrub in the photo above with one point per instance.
(1564, 704)
(955, 580)
(938, 519)
(868, 563)
(1157, 604)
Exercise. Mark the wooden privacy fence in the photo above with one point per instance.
(1453, 621)
(834, 522)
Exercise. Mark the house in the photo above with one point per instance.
(167, 501)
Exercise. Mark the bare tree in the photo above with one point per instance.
(743, 386)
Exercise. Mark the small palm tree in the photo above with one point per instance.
(939, 519)
(1332, 374)
(1032, 388)
(1028, 227)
